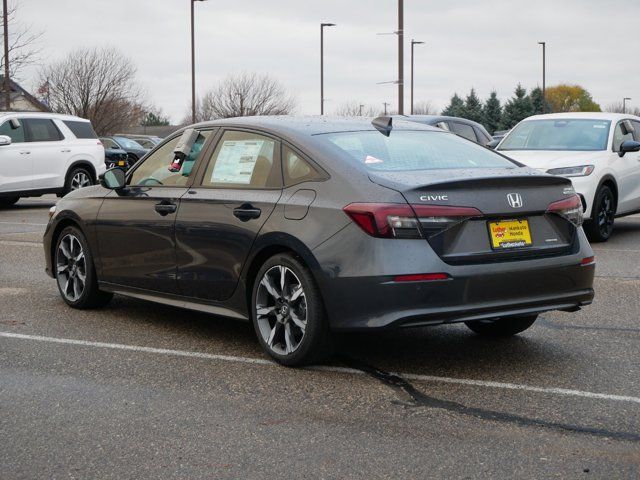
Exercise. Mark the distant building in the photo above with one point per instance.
(21, 100)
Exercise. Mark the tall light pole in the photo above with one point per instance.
(413, 43)
(193, 66)
(400, 57)
(322, 25)
(624, 104)
(7, 88)
(544, 76)
(385, 107)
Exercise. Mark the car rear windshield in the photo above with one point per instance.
(128, 143)
(414, 150)
(81, 129)
(558, 134)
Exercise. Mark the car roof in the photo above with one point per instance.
(287, 125)
(59, 116)
(583, 115)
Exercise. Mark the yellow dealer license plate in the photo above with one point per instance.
(510, 234)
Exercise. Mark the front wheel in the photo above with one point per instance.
(502, 327)
(288, 314)
(75, 271)
(603, 214)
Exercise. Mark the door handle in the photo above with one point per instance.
(65, 150)
(25, 152)
(246, 212)
(165, 208)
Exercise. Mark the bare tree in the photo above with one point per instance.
(245, 94)
(356, 109)
(617, 107)
(23, 42)
(424, 108)
(98, 84)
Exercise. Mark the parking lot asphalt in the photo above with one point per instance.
(138, 390)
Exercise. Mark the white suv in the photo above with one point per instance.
(46, 153)
(597, 151)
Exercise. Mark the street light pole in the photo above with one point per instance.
(413, 43)
(544, 76)
(385, 107)
(7, 87)
(193, 65)
(400, 57)
(322, 25)
(624, 104)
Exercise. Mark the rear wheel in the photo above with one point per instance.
(603, 214)
(75, 271)
(288, 314)
(8, 201)
(79, 177)
(502, 327)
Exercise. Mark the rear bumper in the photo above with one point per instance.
(378, 303)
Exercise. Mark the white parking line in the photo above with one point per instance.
(260, 361)
(24, 223)
(18, 243)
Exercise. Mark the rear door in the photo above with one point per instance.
(135, 227)
(16, 162)
(235, 191)
(49, 152)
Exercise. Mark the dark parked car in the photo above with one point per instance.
(306, 226)
(468, 129)
(114, 156)
(134, 150)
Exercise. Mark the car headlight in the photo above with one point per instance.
(581, 171)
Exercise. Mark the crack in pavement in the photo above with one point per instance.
(420, 399)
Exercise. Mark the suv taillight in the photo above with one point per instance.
(394, 220)
(569, 208)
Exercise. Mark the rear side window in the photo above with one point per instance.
(414, 150)
(16, 134)
(465, 131)
(42, 130)
(296, 169)
(80, 129)
(243, 160)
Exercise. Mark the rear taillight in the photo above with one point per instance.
(569, 208)
(422, 277)
(587, 261)
(392, 220)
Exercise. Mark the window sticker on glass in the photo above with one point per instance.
(236, 161)
(371, 159)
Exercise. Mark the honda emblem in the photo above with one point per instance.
(515, 200)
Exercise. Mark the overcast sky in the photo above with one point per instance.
(489, 44)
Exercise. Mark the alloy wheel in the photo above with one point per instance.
(79, 180)
(281, 310)
(71, 267)
(606, 215)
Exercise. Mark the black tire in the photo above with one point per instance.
(8, 201)
(69, 184)
(131, 159)
(91, 296)
(315, 344)
(501, 327)
(600, 227)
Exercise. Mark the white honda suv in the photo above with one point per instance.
(46, 153)
(597, 151)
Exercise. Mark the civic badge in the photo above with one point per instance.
(515, 200)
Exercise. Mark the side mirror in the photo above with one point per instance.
(5, 140)
(113, 179)
(492, 144)
(629, 146)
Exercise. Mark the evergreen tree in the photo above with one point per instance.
(517, 108)
(492, 113)
(537, 101)
(455, 108)
(473, 108)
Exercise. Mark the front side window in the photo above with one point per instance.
(16, 134)
(636, 126)
(465, 131)
(562, 134)
(243, 160)
(414, 150)
(619, 137)
(42, 130)
(154, 171)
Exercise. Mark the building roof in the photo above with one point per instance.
(17, 91)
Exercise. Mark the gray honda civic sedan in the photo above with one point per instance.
(309, 226)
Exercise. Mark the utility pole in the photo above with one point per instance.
(385, 107)
(360, 111)
(193, 65)
(624, 104)
(400, 57)
(413, 44)
(7, 85)
(322, 25)
(544, 76)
